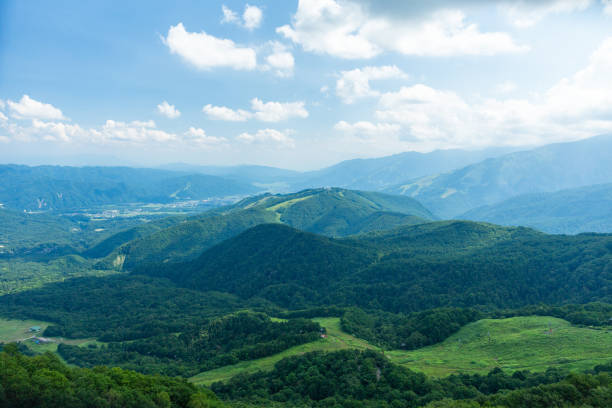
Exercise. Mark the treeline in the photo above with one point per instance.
(357, 379)
(118, 308)
(45, 382)
(216, 343)
(419, 329)
(399, 331)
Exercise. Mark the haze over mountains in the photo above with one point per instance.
(448, 183)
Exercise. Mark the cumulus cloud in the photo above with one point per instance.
(277, 111)
(229, 16)
(205, 51)
(268, 136)
(3, 117)
(251, 17)
(132, 132)
(200, 137)
(168, 110)
(263, 111)
(225, 113)
(607, 6)
(525, 13)
(576, 107)
(355, 84)
(347, 29)
(28, 108)
(280, 60)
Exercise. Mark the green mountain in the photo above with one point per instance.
(44, 188)
(331, 212)
(546, 169)
(572, 211)
(450, 263)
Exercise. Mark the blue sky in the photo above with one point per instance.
(297, 84)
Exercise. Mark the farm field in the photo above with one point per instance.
(18, 331)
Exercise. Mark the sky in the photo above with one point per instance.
(296, 84)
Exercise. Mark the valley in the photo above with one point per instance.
(237, 295)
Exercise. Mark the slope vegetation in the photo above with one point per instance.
(450, 263)
(331, 212)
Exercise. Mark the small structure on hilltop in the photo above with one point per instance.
(34, 329)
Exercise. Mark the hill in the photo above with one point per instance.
(451, 263)
(332, 212)
(533, 343)
(572, 211)
(45, 188)
(546, 169)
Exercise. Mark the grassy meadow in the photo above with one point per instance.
(519, 343)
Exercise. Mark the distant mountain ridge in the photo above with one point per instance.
(545, 169)
(572, 211)
(44, 188)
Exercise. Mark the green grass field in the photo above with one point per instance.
(518, 343)
(18, 331)
(336, 340)
(512, 344)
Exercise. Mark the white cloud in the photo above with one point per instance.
(2, 104)
(200, 137)
(607, 6)
(252, 17)
(355, 84)
(227, 114)
(206, 51)
(3, 117)
(168, 110)
(267, 136)
(277, 111)
(229, 16)
(346, 29)
(132, 132)
(280, 60)
(506, 87)
(525, 13)
(56, 131)
(263, 111)
(28, 108)
(576, 107)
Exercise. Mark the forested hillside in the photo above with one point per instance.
(44, 381)
(449, 263)
(332, 212)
